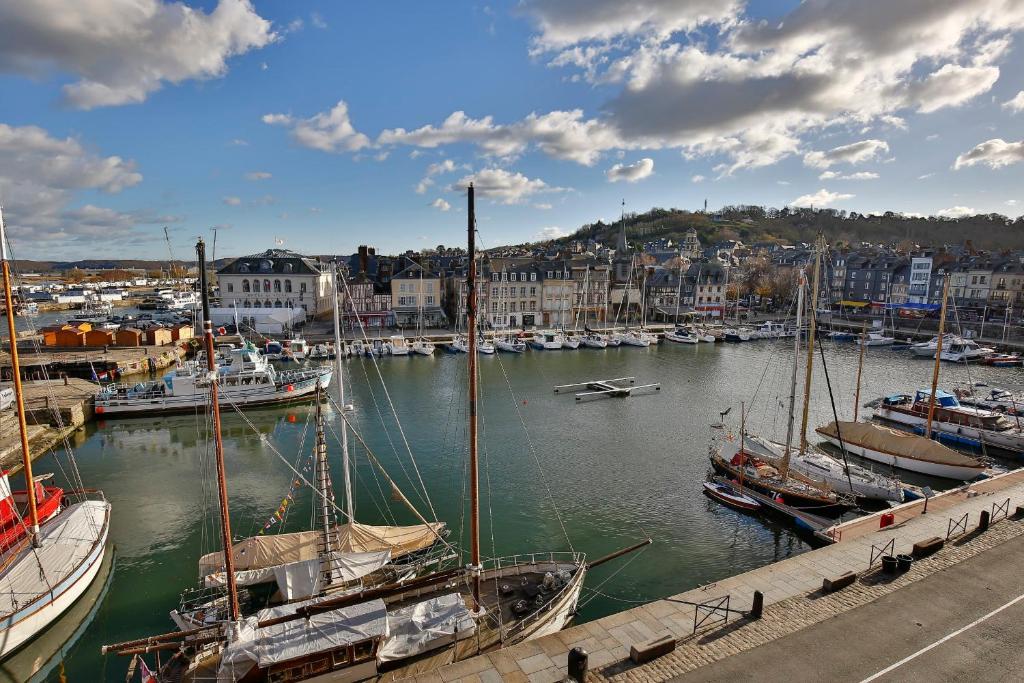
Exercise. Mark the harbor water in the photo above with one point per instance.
(556, 474)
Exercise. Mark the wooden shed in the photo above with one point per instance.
(49, 335)
(68, 337)
(99, 338)
(128, 336)
(82, 326)
(182, 332)
(158, 336)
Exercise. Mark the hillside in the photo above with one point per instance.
(752, 224)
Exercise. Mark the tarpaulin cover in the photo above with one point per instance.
(261, 552)
(301, 637)
(425, 626)
(903, 444)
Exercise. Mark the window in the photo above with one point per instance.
(504, 276)
(287, 285)
(494, 306)
(401, 287)
(302, 287)
(231, 287)
(512, 306)
(533, 291)
(428, 300)
(277, 285)
(245, 285)
(550, 275)
(494, 277)
(278, 304)
(267, 304)
(266, 285)
(504, 291)
(494, 291)
(522, 291)
(512, 277)
(533, 277)
(533, 305)
(246, 304)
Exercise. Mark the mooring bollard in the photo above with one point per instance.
(757, 609)
(578, 659)
(983, 519)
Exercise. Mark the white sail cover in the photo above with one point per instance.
(261, 552)
(252, 645)
(66, 542)
(902, 444)
(297, 580)
(426, 626)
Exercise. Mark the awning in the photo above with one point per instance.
(915, 306)
(853, 304)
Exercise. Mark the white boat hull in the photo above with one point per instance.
(682, 338)
(20, 627)
(510, 347)
(910, 464)
(1011, 440)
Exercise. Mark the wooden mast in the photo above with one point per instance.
(743, 434)
(860, 367)
(811, 327)
(222, 488)
(784, 463)
(938, 358)
(26, 454)
(474, 473)
(347, 476)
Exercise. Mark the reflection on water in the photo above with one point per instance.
(616, 469)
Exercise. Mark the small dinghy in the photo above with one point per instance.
(727, 495)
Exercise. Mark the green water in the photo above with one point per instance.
(615, 469)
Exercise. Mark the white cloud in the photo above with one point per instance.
(1016, 103)
(994, 153)
(381, 156)
(441, 204)
(435, 169)
(782, 182)
(544, 206)
(317, 21)
(820, 198)
(258, 175)
(956, 212)
(329, 131)
(854, 153)
(503, 186)
(42, 175)
(122, 50)
(933, 136)
(1011, 202)
(239, 142)
(232, 201)
(631, 173)
(551, 232)
(697, 179)
(862, 175)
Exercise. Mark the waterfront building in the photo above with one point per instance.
(511, 292)
(1008, 286)
(920, 279)
(276, 278)
(418, 290)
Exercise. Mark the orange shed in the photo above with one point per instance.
(70, 336)
(128, 336)
(99, 338)
(182, 332)
(158, 336)
(81, 327)
(49, 335)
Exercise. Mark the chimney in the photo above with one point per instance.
(363, 264)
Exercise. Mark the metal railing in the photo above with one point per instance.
(878, 552)
(957, 527)
(715, 610)
(1000, 510)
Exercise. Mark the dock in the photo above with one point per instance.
(980, 529)
(43, 362)
(619, 387)
(54, 410)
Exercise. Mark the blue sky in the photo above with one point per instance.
(332, 124)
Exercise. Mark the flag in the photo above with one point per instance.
(146, 675)
(278, 241)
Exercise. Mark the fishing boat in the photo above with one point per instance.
(727, 495)
(875, 339)
(547, 340)
(54, 540)
(454, 613)
(961, 350)
(245, 380)
(951, 421)
(321, 352)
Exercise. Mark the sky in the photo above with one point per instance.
(326, 125)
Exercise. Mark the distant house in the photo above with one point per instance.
(69, 337)
(158, 336)
(417, 291)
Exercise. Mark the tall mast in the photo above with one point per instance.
(679, 286)
(860, 367)
(326, 494)
(26, 454)
(474, 471)
(222, 486)
(347, 475)
(811, 325)
(784, 465)
(938, 357)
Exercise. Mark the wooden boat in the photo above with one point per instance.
(1003, 360)
(727, 495)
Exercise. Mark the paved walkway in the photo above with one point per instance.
(791, 590)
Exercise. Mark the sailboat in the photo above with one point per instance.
(473, 609)
(54, 541)
(681, 334)
(421, 345)
(724, 492)
(761, 467)
(900, 449)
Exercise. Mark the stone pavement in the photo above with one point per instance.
(791, 591)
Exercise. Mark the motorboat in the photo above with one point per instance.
(296, 350)
(951, 421)
(1000, 400)
(738, 334)
(547, 340)
(927, 349)
(704, 335)
(964, 351)
(876, 339)
(245, 380)
(423, 347)
(682, 335)
(399, 347)
(1003, 360)
(773, 330)
(594, 340)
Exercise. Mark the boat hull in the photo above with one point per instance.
(962, 434)
(729, 497)
(933, 469)
(22, 626)
(793, 499)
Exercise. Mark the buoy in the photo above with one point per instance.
(524, 401)
(291, 418)
(290, 387)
